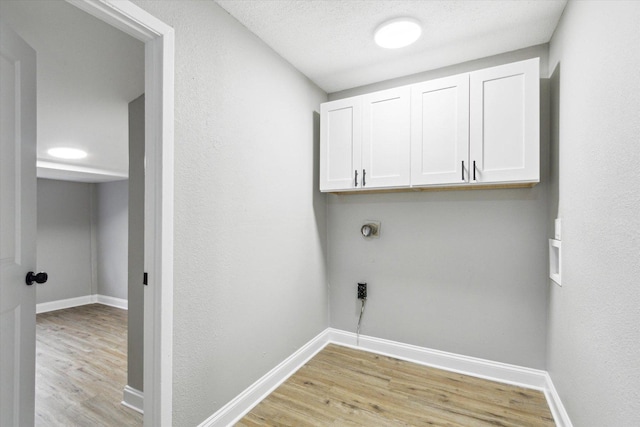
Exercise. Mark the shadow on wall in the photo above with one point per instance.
(319, 198)
(554, 156)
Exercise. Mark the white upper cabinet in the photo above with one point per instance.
(440, 131)
(505, 123)
(478, 128)
(365, 141)
(386, 138)
(340, 144)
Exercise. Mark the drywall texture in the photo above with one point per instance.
(594, 318)
(135, 331)
(458, 271)
(64, 239)
(249, 282)
(112, 214)
(340, 34)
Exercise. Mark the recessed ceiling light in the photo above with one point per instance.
(397, 33)
(67, 153)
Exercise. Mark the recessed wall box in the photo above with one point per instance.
(555, 261)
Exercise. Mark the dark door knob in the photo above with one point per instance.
(38, 278)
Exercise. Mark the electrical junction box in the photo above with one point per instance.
(362, 291)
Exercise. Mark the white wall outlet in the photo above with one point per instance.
(558, 229)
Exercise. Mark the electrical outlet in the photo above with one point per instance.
(362, 291)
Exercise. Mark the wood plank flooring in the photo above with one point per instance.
(81, 367)
(346, 387)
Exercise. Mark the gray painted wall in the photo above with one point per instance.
(594, 318)
(249, 272)
(64, 247)
(112, 225)
(135, 337)
(82, 239)
(458, 271)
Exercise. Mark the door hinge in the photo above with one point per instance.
(145, 280)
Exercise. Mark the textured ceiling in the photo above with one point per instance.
(331, 41)
(88, 71)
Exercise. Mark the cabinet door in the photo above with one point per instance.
(386, 138)
(440, 131)
(340, 144)
(505, 123)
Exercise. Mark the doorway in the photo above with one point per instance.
(159, 53)
(87, 72)
(159, 43)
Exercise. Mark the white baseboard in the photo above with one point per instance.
(113, 302)
(65, 303)
(133, 398)
(481, 368)
(560, 414)
(44, 307)
(233, 411)
(536, 379)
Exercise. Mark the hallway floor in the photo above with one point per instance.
(81, 367)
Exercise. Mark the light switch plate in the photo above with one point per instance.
(558, 229)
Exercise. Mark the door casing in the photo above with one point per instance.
(159, 43)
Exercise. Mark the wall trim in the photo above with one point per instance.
(535, 379)
(237, 408)
(44, 307)
(159, 41)
(133, 398)
(481, 368)
(558, 410)
(113, 301)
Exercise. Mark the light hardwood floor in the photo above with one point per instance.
(81, 367)
(345, 387)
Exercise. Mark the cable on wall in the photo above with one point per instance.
(359, 322)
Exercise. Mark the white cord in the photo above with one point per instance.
(359, 321)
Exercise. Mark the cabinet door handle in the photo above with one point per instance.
(463, 170)
(355, 180)
(474, 170)
(364, 176)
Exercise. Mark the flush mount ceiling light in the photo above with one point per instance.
(397, 33)
(67, 153)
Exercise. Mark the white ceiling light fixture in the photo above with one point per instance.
(67, 153)
(397, 33)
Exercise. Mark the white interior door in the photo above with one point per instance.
(17, 228)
